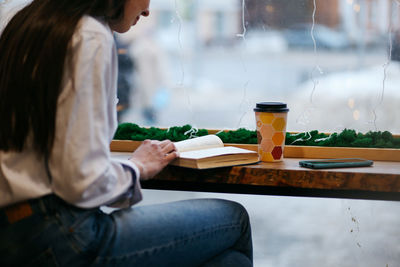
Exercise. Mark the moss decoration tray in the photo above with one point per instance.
(296, 151)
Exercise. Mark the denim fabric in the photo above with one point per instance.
(203, 232)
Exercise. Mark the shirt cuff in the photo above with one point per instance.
(134, 194)
(133, 166)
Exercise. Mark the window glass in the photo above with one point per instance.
(329, 60)
(334, 62)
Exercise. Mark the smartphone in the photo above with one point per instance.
(335, 163)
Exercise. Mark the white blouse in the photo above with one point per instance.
(83, 173)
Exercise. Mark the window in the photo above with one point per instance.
(336, 63)
(328, 61)
(267, 52)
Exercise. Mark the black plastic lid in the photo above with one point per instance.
(271, 107)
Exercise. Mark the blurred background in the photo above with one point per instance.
(206, 63)
(336, 63)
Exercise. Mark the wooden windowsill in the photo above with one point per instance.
(381, 154)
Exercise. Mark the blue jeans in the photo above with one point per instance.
(203, 232)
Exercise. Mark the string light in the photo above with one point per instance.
(192, 132)
(242, 35)
(307, 136)
(243, 107)
(356, 8)
(180, 22)
(356, 115)
(385, 67)
(181, 83)
(304, 116)
(351, 103)
(317, 67)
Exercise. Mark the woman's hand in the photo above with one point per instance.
(152, 156)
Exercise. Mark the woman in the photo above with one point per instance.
(57, 113)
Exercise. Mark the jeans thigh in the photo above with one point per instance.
(183, 233)
(22, 243)
(62, 236)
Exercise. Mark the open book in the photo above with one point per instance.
(209, 152)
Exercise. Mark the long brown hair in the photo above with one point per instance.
(33, 48)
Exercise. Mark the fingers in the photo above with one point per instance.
(147, 141)
(167, 143)
(161, 147)
(171, 156)
(152, 156)
(168, 148)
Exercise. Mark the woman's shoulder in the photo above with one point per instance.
(92, 26)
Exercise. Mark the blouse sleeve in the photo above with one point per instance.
(83, 172)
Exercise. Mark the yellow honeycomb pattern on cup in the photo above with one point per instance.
(271, 132)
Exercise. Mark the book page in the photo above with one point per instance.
(203, 142)
(212, 152)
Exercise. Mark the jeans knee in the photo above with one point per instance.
(238, 209)
(232, 211)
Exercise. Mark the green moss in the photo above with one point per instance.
(240, 136)
(131, 131)
(177, 133)
(346, 138)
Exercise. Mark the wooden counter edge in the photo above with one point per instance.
(265, 179)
